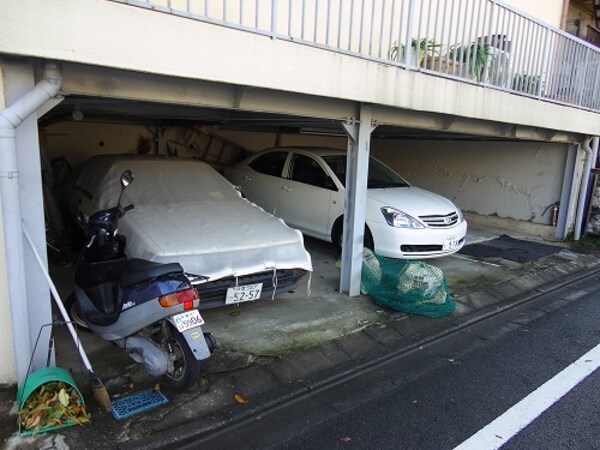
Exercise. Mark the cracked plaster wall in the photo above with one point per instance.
(515, 180)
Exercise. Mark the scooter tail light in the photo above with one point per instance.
(185, 297)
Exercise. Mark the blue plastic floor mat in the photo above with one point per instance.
(136, 403)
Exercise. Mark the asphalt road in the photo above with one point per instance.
(439, 396)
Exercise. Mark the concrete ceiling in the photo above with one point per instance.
(93, 109)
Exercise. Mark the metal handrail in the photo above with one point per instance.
(484, 42)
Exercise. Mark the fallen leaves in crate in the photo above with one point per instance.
(53, 404)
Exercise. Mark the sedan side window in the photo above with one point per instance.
(307, 170)
(270, 163)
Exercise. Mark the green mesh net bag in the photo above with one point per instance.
(406, 285)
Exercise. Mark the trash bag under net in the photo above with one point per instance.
(406, 285)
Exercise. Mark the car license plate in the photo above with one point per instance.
(187, 320)
(246, 293)
(450, 243)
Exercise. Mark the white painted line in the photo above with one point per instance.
(474, 260)
(517, 417)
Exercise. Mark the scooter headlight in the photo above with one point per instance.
(399, 219)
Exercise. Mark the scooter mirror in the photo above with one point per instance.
(127, 178)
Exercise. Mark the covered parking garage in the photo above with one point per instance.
(110, 111)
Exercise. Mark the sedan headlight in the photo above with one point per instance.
(460, 215)
(398, 219)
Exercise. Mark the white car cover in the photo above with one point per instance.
(186, 212)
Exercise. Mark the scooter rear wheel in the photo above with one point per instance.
(186, 369)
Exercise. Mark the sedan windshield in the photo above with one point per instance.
(380, 176)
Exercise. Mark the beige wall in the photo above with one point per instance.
(8, 374)
(549, 11)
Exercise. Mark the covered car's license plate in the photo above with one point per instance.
(187, 320)
(244, 293)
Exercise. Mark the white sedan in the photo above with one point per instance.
(305, 187)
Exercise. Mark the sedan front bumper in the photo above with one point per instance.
(404, 243)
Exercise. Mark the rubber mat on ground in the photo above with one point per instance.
(509, 248)
(137, 403)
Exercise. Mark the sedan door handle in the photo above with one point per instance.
(286, 188)
(247, 178)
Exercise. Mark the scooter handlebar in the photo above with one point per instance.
(124, 209)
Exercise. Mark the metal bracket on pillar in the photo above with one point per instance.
(238, 95)
(350, 126)
(357, 170)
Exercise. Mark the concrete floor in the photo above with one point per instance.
(293, 320)
(271, 350)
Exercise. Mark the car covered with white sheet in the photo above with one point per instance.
(186, 212)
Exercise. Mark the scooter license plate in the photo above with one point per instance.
(187, 320)
(245, 293)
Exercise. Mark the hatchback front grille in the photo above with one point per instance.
(440, 221)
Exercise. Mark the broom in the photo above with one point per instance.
(100, 391)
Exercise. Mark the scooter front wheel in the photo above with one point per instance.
(186, 368)
(73, 310)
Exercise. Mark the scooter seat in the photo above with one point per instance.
(138, 270)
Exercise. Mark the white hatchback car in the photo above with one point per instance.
(305, 187)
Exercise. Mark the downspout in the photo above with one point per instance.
(10, 119)
(585, 178)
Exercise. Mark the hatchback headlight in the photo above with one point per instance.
(460, 215)
(398, 219)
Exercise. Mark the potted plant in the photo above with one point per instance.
(421, 48)
(475, 55)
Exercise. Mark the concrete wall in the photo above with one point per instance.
(77, 141)
(8, 372)
(515, 180)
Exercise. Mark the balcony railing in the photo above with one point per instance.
(484, 42)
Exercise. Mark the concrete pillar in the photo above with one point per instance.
(568, 196)
(355, 200)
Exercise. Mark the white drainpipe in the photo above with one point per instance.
(10, 119)
(585, 178)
